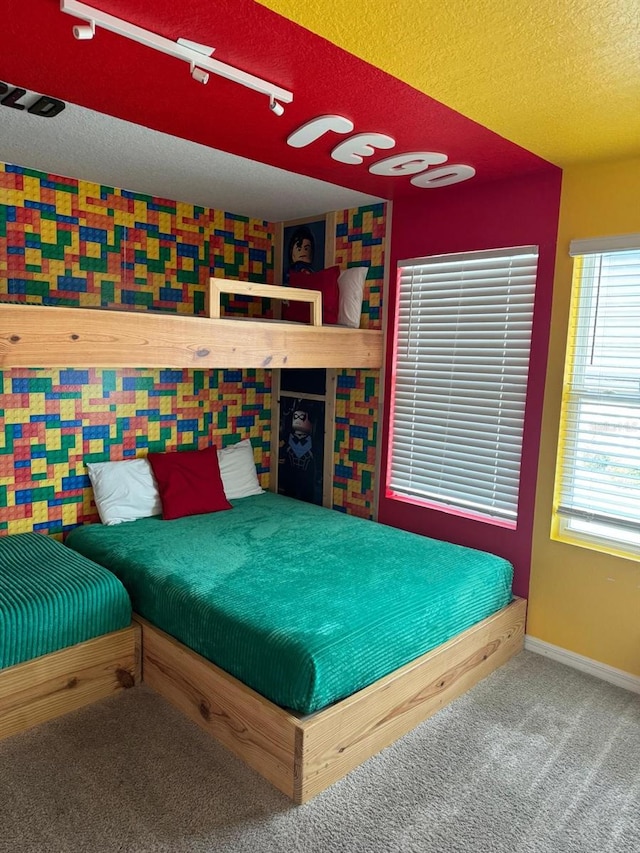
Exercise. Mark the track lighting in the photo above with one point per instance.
(275, 107)
(84, 31)
(199, 56)
(199, 75)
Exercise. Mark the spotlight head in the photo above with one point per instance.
(199, 75)
(275, 107)
(84, 31)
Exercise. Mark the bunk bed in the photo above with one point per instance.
(52, 336)
(300, 753)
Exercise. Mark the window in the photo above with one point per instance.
(460, 380)
(597, 495)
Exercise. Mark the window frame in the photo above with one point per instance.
(571, 524)
(529, 255)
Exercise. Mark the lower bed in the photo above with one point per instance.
(256, 618)
(302, 604)
(65, 631)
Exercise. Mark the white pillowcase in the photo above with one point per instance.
(238, 470)
(351, 287)
(124, 491)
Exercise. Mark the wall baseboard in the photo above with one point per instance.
(592, 667)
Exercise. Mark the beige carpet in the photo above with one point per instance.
(536, 759)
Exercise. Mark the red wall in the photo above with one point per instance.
(487, 216)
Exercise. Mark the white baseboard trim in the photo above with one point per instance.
(592, 667)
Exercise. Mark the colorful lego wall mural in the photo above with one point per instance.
(360, 241)
(360, 236)
(55, 421)
(357, 398)
(69, 242)
(77, 243)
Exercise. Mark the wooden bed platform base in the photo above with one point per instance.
(51, 685)
(52, 336)
(303, 755)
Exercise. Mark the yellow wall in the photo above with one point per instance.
(583, 600)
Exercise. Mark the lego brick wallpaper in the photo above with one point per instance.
(360, 241)
(69, 242)
(55, 421)
(76, 243)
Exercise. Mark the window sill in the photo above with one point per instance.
(563, 532)
(451, 510)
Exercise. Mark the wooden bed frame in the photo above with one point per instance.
(51, 336)
(303, 755)
(49, 686)
(300, 755)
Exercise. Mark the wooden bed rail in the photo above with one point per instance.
(218, 286)
(54, 684)
(52, 336)
(303, 755)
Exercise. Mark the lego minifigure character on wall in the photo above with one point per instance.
(303, 247)
(301, 250)
(301, 450)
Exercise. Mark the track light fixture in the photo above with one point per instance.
(84, 31)
(275, 107)
(199, 75)
(198, 56)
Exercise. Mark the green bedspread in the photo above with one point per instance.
(51, 598)
(305, 605)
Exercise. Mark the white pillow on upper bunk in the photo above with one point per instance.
(351, 287)
(238, 470)
(124, 491)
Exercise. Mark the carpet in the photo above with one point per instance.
(537, 758)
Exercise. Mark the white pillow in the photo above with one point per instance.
(351, 287)
(124, 491)
(238, 470)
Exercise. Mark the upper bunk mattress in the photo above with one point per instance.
(303, 604)
(51, 597)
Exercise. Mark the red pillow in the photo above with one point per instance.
(326, 281)
(189, 482)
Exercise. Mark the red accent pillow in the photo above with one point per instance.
(189, 482)
(326, 281)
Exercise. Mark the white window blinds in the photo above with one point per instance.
(598, 471)
(462, 359)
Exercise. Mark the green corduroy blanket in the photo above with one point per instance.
(305, 605)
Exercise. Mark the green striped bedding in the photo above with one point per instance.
(305, 605)
(51, 598)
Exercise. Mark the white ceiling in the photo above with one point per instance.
(81, 143)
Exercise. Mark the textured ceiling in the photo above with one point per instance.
(559, 77)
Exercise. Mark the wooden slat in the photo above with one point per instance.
(329, 437)
(47, 336)
(275, 432)
(278, 249)
(218, 286)
(257, 731)
(52, 685)
(340, 738)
